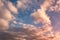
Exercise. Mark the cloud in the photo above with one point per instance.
(3, 26)
(30, 32)
(6, 10)
(57, 35)
(12, 8)
(28, 4)
(56, 7)
(23, 4)
(40, 14)
(6, 36)
(20, 4)
(5, 16)
(27, 31)
(5, 13)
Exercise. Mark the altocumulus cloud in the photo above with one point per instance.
(26, 31)
(6, 13)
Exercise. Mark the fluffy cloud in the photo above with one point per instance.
(5, 16)
(3, 24)
(56, 7)
(6, 10)
(20, 4)
(57, 36)
(12, 8)
(5, 13)
(28, 31)
(23, 4)
(40, 14)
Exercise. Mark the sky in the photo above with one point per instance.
(32, 18)
(24, 14)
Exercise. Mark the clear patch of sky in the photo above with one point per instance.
(13, 1)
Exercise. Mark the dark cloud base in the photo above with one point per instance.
(6, 36)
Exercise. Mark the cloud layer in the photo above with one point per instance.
(55, 7)
(8, 12)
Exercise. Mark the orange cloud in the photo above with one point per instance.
(28, 31)
(40, 16)
(6, 13)
(55, 8)
(3, 24)
(12, 8)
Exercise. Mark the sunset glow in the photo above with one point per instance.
(29, 19)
